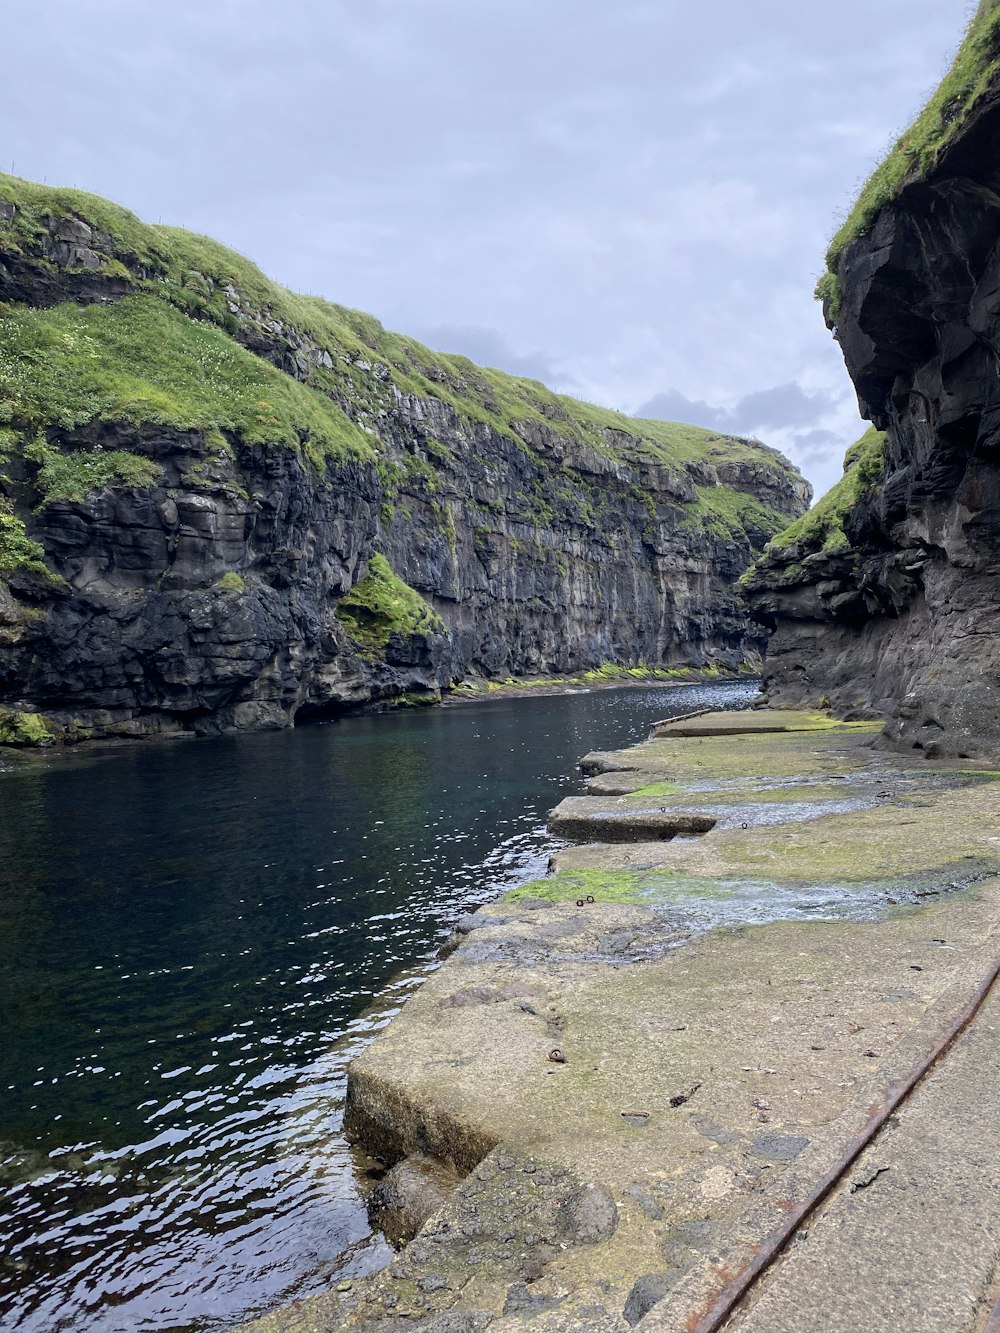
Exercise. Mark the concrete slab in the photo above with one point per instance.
(910, 1239)
(623, 819)
(756, 723)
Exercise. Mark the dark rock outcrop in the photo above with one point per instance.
(886, 600)
(180, 566)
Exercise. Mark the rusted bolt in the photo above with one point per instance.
(556, 1056)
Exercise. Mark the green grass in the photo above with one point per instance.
(919, 148)
(17, 550)
(192, 273)
(382, 604)
(141, 361)
(75, 474)
(231, 582)
(729, 513)
(822, 527)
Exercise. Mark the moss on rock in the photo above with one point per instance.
(918, 148)
(17, 550)
(381, 605)
(821, 529)
(26, 730)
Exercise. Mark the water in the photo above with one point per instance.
(194, 941)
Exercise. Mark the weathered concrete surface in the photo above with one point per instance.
(910, 1240)
(916, 1224)
(749, 724)
(689, 1080)
(629, 819)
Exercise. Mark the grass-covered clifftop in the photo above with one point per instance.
(190, 328)
(919, 147)
(821, 528)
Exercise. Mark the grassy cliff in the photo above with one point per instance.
(919, 147)
(189, 340)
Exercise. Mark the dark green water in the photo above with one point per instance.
(194, 941)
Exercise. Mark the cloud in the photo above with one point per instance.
(778, 408)
(673, 406)
(638, 195)
(488, 347)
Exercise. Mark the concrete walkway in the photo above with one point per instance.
(644, 1060)
(911, 1240)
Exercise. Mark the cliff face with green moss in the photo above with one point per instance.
(223, 505)
(884, 596)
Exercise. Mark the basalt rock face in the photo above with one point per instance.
(889, 601)
(178, 530)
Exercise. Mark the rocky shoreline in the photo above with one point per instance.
(24, 736)
(608, 1094)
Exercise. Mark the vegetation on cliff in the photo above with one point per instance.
(918, 148)
(209, 460)
(381, 605)
(17, 550)
(156, 357)
(142, 361)
(822, 527)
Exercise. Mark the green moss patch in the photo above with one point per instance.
(17, 550)
(822, 528)
(231, 582)
(382, 605)
(141, 361)
(605, 886)
(25, 730)
(74, 474)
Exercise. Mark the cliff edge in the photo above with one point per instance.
(883, 597)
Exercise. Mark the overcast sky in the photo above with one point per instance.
(628, 199)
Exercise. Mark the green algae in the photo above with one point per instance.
(658, 789)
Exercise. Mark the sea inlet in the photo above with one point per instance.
(195, 939)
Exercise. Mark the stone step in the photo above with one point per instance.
(596, 819)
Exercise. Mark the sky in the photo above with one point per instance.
(627, 199)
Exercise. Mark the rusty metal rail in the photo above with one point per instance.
(728, 1301)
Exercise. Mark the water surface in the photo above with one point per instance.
(194, 941)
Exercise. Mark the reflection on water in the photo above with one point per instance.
(194, 941)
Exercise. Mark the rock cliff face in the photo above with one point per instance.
(885, 597)
(224, 506)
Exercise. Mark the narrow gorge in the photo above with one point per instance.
(224, 507)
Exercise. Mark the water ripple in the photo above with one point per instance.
(196, 941)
